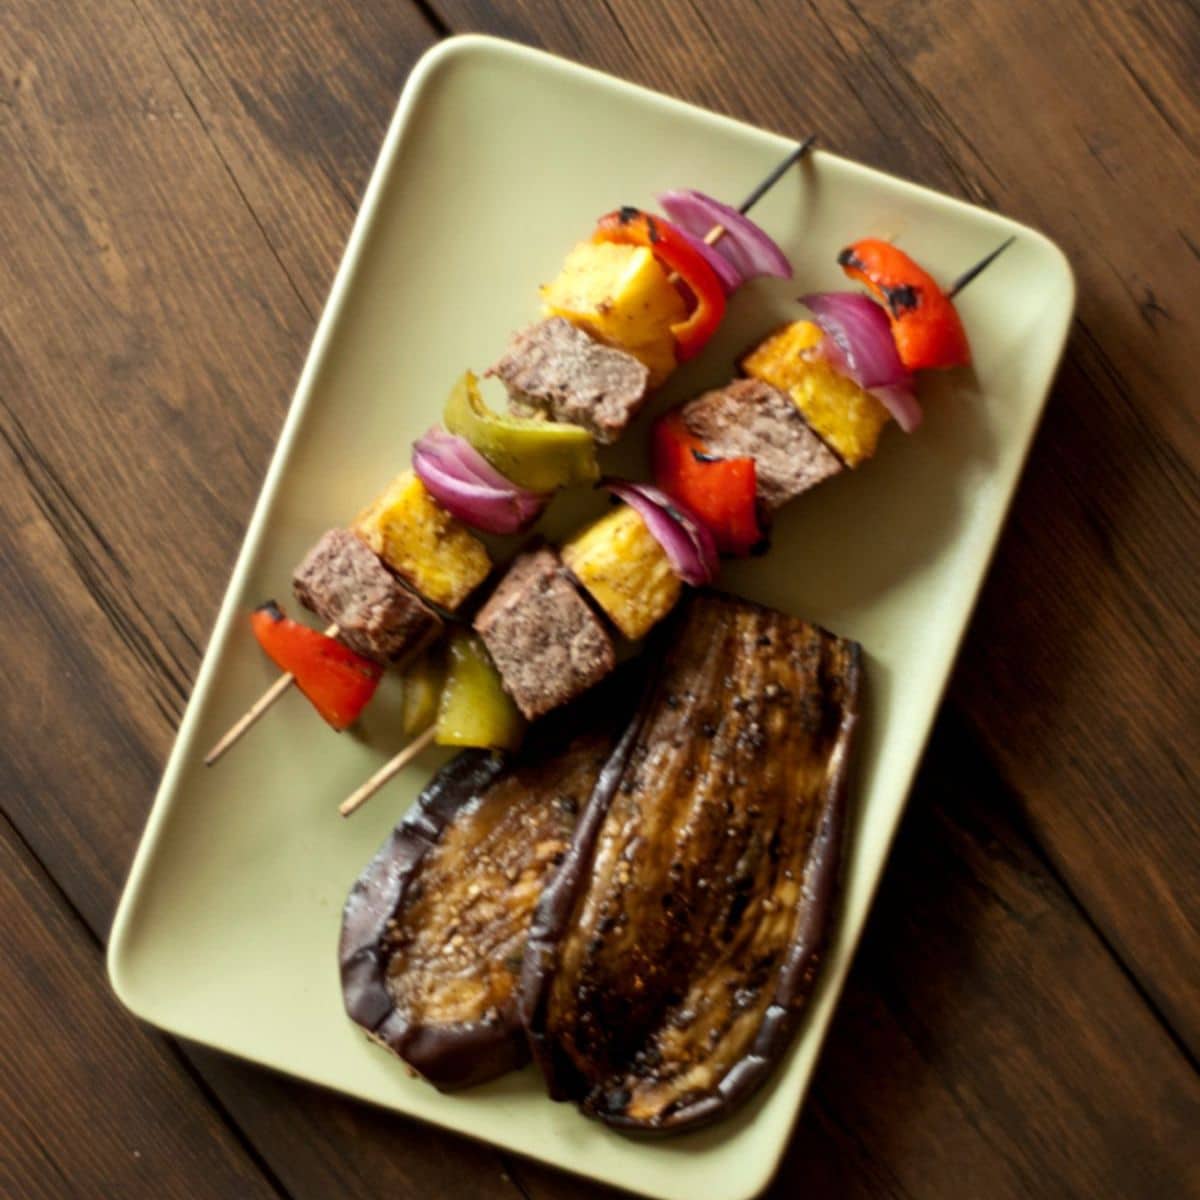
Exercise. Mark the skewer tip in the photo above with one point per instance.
(985, 262)
(794, 156)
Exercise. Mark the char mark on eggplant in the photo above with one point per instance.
(672, 954)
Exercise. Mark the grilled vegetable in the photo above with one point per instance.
(434, 931)
(535, 454)
(630, 226)
(474, 709)
(423, 543)
(925, 324)
(625, 570)
(621, 295)
(744, 251)
(721, 492)
(337, 681)
(467, 486)
(848, 418)
(672, 955)
(685, 538)
(422, 692)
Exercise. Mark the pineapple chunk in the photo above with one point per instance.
(621, 295)
(423, 543)
(779, 357)
(845, 416)
(626, 571)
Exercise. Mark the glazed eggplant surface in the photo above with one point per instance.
(672, 954)
(434, 930)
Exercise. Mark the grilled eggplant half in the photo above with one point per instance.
(434, 929)
(671, 956)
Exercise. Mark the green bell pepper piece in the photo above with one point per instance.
(539, 455)
(422, 692)
(475, 710)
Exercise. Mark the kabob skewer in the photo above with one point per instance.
(777, 362)
(654, 369)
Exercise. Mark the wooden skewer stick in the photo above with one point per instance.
(717, 232)
(281, 685)
(777, 174)
(356, 800)
(256, 710)
(978, 269)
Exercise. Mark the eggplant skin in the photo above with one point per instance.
(673, 953)
(434, 930)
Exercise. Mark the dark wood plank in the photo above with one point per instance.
(152, 326)
(987, 1044)
(103, 1108)
(171, 219)
(1082, 120)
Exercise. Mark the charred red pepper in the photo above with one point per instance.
(722, 492)
(633, 227)
(925, 324)
(337, 681)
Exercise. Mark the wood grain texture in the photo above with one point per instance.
(176, 184)
(1081, 120)
(103, 1108)
(151, 328)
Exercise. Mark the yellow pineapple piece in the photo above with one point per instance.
(423, 543)
(625, 570)
(778, 358)
(621, 295)
(845, 416)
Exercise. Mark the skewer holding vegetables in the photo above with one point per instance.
(815, 398)
(641, 296)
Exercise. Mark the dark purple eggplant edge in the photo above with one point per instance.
(450, 1056)
(796, 978)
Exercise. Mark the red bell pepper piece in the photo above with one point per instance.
(633, 227)
(722, 492)
(925, 324)
(337, 681)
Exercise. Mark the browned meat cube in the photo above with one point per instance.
(557, 370)
(751, 419)
(343, 581)
(546, 642)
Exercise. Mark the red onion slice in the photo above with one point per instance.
(730, 277)
(686, 539)
(862, 332)
(468, 487)
(858, 343)
(902, 404)
(747, 250)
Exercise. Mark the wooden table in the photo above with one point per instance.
(178, 179)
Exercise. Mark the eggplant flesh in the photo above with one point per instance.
(434, 929)
(672, 954)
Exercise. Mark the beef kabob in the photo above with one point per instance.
(813, 400)
(641, 296)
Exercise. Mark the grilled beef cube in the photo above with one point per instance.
(556, 370)
(671, 957)
(751, 419)
(546, 642)
(434, 930)
(343, 581)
